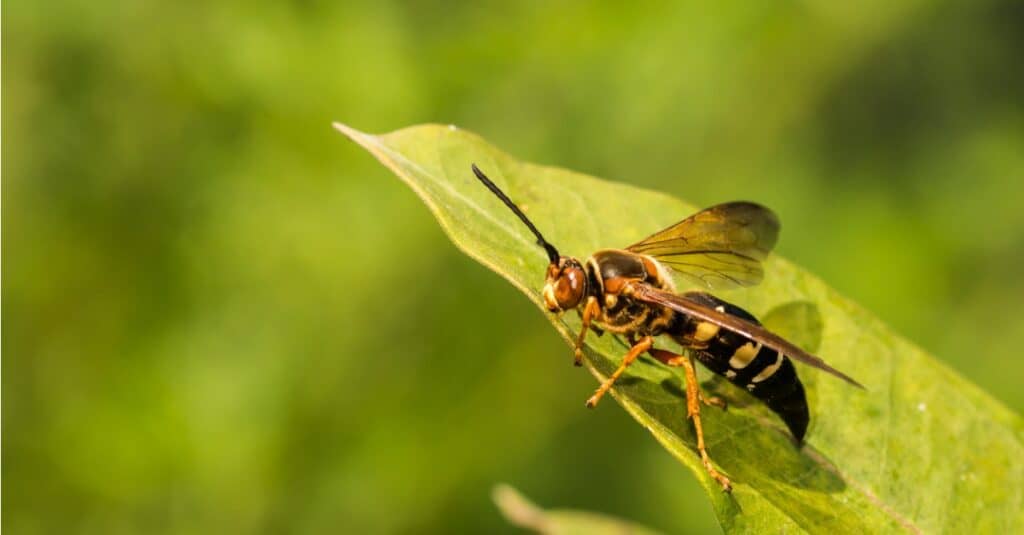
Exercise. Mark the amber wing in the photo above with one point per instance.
(720, 247)
(680, 303)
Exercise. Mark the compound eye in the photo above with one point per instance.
(570, 286)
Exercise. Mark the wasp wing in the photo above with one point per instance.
(757, 333)
(720, 247)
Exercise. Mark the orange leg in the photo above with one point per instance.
(713, 401)
(644, 344)
(693, 398)
(589, 311)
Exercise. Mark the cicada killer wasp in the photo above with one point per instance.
(631, 292)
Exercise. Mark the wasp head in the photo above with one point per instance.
(566, 281)
(565, 284)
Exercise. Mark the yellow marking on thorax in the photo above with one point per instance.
(662, 275)
(743, 355)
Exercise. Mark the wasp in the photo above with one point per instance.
(631, 292)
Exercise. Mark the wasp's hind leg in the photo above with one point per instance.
(638, 349)
(589, 311)
(693, 400)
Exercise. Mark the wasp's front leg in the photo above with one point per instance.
(589, 311)
(638, 349)
(693, 400)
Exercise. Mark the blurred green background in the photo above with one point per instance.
(221, 316)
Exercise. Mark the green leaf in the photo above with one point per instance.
(921, 450)
(523, 513)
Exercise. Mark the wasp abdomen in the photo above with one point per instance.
(764, 372)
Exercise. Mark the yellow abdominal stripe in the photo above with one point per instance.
(705, 331)
(767, 372)
(743, 355)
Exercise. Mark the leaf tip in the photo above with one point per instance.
(343, 128)
(516, 508)
(363, 139)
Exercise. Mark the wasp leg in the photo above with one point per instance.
(589, 311)
(639, 348)
(714, 401)
(693, 398)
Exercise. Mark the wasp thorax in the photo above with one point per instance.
(565, 286)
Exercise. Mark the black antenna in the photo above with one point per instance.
(552, 252)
